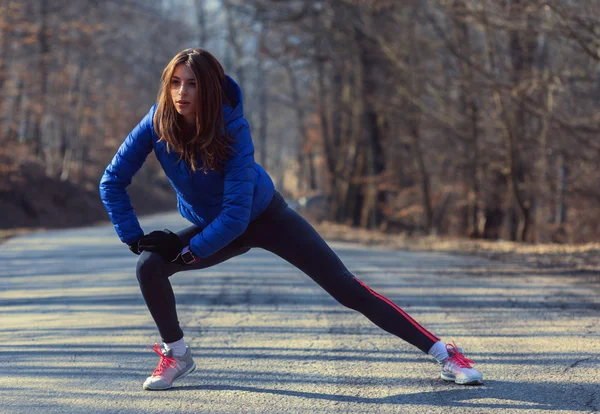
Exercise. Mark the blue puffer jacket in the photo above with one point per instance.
(222, 203)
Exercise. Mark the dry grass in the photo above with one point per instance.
(6, 234)
(578, 258)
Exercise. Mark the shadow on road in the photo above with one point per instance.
(88, 281)
(522, 396)
(519, 359)
(494, 394)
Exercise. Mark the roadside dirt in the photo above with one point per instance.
(581, 260)
(31, 201)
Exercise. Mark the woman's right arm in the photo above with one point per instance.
(127, 161)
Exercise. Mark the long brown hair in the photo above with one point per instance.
(209, 140)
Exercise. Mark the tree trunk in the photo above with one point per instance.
(306, 179)
(263, 102)
(561, 190)
(471, 110)
(238, 52)
(324, 122)
(42, 70)
(522, 51)
(201, 22)
(370, 216)
(425, 179)
(4, 58)
(345, 156)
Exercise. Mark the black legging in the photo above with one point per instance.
(280, 230)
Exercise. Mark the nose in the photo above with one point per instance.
(182, 90)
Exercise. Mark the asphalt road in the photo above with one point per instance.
(74, 331)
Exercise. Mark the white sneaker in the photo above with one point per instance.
(459, 369)
(169, 369)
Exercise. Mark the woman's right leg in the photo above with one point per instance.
(153, 274)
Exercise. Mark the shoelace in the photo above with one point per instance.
(165, 361)
(457, 358)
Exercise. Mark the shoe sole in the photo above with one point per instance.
(476, 381)
(183, 374)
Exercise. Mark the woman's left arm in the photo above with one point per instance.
(237, 196)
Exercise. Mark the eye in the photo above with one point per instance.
(174, 82)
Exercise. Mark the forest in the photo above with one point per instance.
(461, 118)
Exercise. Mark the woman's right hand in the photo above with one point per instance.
(135, 247)
(164, 242)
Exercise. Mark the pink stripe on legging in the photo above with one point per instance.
(397, 308)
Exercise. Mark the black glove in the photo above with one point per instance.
(164, 242)
(135, 247)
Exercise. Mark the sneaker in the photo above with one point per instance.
(169, 368)
(459, 369)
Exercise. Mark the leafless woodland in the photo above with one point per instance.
(473, 118)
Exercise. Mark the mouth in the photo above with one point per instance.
(182, 102)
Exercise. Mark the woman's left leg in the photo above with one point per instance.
(285, 233)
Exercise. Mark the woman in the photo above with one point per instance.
(199, 135)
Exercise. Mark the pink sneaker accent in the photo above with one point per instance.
(169, 368)
(459, 369)
(164, 363)
(457, 356)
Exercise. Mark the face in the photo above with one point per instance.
(184, 92)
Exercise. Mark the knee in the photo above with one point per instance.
(150, 266)
(351, 293)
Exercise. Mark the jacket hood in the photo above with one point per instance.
(234, 108)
